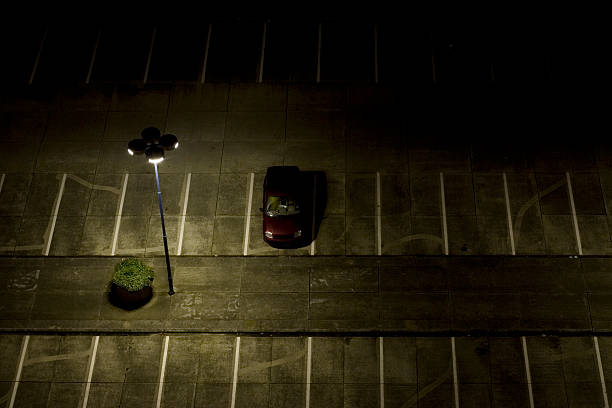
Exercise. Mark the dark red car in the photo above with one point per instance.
(282, 216)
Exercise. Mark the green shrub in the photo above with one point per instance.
(133, 275)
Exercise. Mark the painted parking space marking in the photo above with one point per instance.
(56, 206)
(93, 57)
(92, 362)
(263, 49)
(573, 207)
(248, 216)
(206, 48)
(308, 371)
(2, 181)
(509, 215)
(87, 184)
(37, 60)
(183, 214)
(381, 371)
(314, 208)
(378, 217)
(527, 371)
(22, 354)
(146, 73)
(235, 375)
(162, 371)
(455, 378)
(443, 207)
(118, 215)
(601, 373)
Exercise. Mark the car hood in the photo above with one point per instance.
(284, 225)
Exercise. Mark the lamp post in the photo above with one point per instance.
(153, 145)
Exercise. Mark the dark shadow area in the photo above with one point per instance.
(129, 300)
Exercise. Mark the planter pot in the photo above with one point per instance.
(130, 300)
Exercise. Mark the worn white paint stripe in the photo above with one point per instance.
(575, 218)
(92, 362)
(443, 206)
(235, 377)
(509, 215)
(146, 73)
(375, 53)
(184, 214)
(308, 372)
(319, 55)
(601, 373)
(119, 212)
(247, 227)
(93, 57)
(455, 378)
(378, 217)
(205, 63)
(22, 354)
(56, 207)
(263, 49)
(314, 207)
(527, 371)
(162, 372)
(381, 371)
(2, 181)
(37, 60)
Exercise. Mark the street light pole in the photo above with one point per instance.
(161, 213)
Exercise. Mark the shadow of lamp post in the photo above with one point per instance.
(153, 145)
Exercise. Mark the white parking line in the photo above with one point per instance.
(146, 73)
(319, 56)
(22, 354)
(308, 372)
(378, 217)
(118, 215)
(314, 206)
(248, 217)
(93, 57)
(37, 60)
(235, 377)
(183, 214)
(443, 206)
(92, 362)
(56, 207)
(162, 372)
(455, 378)
(381, 371)
(571, 198)
(375, 53)
(509, 215)
(601, 373)
(2, 181)
(203, 78)
(527, 371)
(263, 48)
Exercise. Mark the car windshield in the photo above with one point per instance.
(278, 206)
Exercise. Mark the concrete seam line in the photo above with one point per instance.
(601, 373)
(56, 207)
(162, 372)
(2, 181)
(574, 217)
(92, 362)
(308, 371)
(381, 371)
(314, 205)
(261, 58)
(183, 215)
(443, 206)
(146, 73)
(206, 47)
(24, 349)
(247, 227)
(455, 378)
(37, 60)
(235, 375)
(509, 214)
(118, 215)
(93, 57)
(527, 371)
(378, 217)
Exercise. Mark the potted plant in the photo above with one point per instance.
(131, 285)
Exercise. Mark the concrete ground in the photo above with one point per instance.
(332, 372)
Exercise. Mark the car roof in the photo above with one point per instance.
(282, 178)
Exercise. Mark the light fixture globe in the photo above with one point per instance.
(155, 154)
(151, 134)
(168, 142)
(137, 146)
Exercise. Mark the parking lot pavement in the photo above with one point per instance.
(221, 370)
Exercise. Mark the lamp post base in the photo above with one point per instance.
(171, 292)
